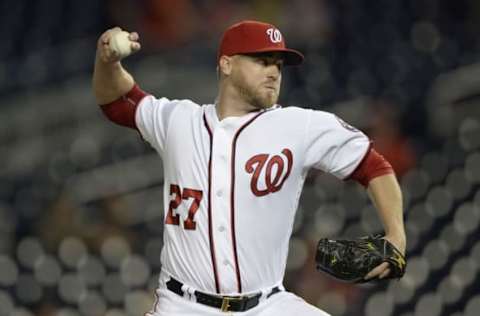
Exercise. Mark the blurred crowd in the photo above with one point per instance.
(81, 199)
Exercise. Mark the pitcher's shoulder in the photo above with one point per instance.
(187, 104)
(295, 111)
(181, 106)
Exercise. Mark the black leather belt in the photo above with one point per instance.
(224, 303)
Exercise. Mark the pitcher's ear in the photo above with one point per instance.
(225, 65)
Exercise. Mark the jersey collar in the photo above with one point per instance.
(212, 117)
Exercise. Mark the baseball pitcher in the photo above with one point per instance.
(234, 171)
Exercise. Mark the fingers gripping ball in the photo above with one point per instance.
(121, 44)
(351, 260)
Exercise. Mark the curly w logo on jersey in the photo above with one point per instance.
(274, 171)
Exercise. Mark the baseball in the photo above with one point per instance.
(121, 44)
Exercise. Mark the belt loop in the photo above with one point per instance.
(185, 291)
(184, 288)
(191, 293)
(265, 292)
(188, 292)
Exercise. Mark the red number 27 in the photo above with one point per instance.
(173, 218)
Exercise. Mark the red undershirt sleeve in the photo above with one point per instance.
(122, 110)
(373, 165)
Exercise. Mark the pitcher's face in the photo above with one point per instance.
(257, 78)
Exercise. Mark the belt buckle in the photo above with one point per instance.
(226, 302)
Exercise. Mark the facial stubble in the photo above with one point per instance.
(254, 95)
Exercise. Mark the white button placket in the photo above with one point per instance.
(221, 155)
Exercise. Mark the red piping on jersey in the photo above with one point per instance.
(232, 199)
(210, 235)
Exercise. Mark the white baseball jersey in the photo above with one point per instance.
(232, 186)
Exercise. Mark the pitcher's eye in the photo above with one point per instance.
(262, 61)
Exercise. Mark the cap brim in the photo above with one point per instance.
(291, 57)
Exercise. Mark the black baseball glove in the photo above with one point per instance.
(351, 260)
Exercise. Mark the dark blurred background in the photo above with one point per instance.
(81, 199)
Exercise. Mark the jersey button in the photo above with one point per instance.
(219, 193)
(221, 228)
(225, 262)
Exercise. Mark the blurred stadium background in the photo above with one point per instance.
(80, 198)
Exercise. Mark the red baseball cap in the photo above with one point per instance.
(256, 37)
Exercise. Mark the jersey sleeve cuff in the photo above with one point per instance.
(123, 110)
(373, 165)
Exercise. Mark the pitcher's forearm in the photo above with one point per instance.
(110, 81)
(387, 197)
